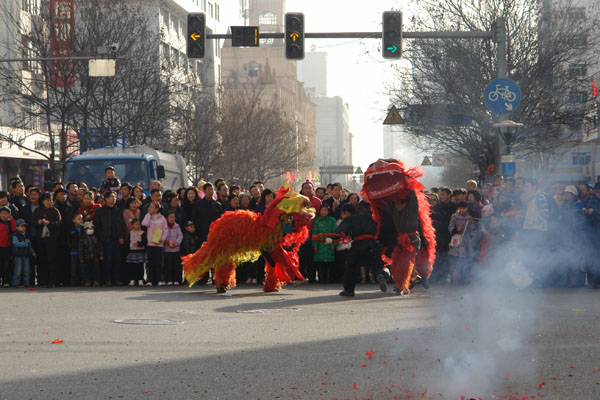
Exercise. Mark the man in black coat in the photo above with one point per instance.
(206, 211)
(110, 229)
(365, 250)
(335, 202)
(442, 213)
(63, 254)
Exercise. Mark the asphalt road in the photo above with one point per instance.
(301, 343)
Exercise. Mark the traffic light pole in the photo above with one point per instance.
(373, 35)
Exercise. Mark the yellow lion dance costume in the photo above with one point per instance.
(243, 236)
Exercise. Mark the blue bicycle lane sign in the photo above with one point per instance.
(502, 96)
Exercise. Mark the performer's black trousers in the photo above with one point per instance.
(361, 258)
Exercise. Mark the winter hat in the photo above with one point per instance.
(20, 222)
(5, 208)
(88, 225)
(571, 189)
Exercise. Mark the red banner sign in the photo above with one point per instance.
(62, 40)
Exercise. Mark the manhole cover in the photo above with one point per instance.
(147, 321)
(268, 310)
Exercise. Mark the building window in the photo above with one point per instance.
(164, 17)
(267, 18)
(211, 11)
(217, 12)
(203, 5)
(175, 25)
(269, 40)
(30, 6)
(577, 97)
(577, 70)
(578, 42)
(580, 158)
(576, 12)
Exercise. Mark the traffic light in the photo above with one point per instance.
(391, 43)
(294, 36)
(195, 35)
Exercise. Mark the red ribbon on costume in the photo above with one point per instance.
(335, 237)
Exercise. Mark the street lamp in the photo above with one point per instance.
(508, 130)
(358, 171)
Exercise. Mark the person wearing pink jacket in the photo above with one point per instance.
(156, 233)
(173, 274)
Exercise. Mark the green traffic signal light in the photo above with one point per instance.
(196, 24)
(294, 36)
(391, 43)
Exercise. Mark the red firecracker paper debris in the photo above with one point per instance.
(364, 365)
(553, 379)
(57, 341)
(32, 288)
(423, 394)
(596, 370)
(396, 338)
(354, 385)
(44, 333)
(369, 353)
(554, 387)
(323, 383)
(507, 377)
(572, 367)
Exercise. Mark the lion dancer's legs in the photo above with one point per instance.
(403, 262)
(280, 266)
(224, 277)
(423, 267)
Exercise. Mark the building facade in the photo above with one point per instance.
(267, 65)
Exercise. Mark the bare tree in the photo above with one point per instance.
(134, 106)
(442, 89)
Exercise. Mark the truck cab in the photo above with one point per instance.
(138, 165)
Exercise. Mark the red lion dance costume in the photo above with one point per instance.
(402, 213)
(242, 236)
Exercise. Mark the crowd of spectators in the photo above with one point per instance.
(74, 235)
(541, 237)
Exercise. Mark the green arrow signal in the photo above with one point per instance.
(393, 48)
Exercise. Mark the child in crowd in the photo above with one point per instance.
(172, 251)
(74, 237)
(111, 183)
(21, 251)
(324, 252)
(156, 234)
(189, 243)
(7, 227)
(466, 234)
(90, 253)
(137, 253)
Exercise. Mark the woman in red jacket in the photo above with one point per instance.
(88, 207)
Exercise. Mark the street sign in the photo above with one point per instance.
(439, 160)
(426, 161)
(337, 169)
(244, 36)
(393, 117)
(509, 166)
(502, 96)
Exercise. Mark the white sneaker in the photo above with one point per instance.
(161, 283)
(141, 282)
(209, 281)
(131, 283)
(175, 283)
(169, 283)
(149, 284)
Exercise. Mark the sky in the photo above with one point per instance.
(356, 70)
